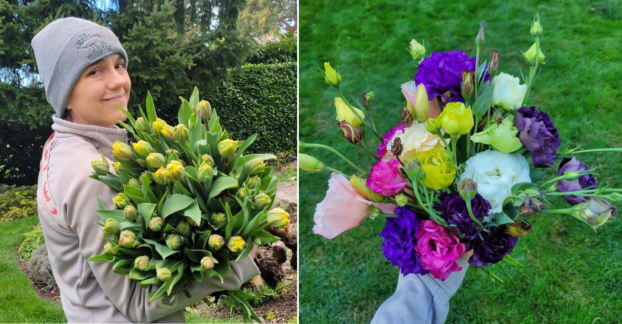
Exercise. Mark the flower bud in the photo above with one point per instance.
(530, 55)
(110, 249)
(101, 167)
(262, 201)
(370, 96)
(159, 125)
(373, 211)
(277, 217)
(161, 176)
(253, 182)
(595, 212)
(163, 274)
(205, 172)
(494, 62)
(143, 263)
(127, 239)
(466, 84)
(180, 133)
(407, 117)
(140, 124)
(122, 151)
(142, 148)
(257, 241)
(417, 51)
(401, 200)
(155, 224)
(227, 148)
(175, 171)
(397, 147)
(167, 132)
(117, 166)
(240, 194)
(481, 37)
(350, 133)
(255, 165)
(331, 76)
(517, 229)
(236, 244)
(422, 105)
(216, 242)
(207, 263)
(111, 227)
(173, 241)
(134, 183)
(204, 110)
(172, 153)
(364, 101)
(536, 28)
(468, 188)
(184, 228)
(219, 220)
(309, 163)
(192, 223)
(121, 200)
(130, 213)
(432, 126)
(360, 184)
(208, 159)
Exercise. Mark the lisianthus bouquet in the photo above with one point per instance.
(465, 171)
(189, 201)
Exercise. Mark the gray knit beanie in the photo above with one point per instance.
(64, 48)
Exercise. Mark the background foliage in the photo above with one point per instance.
(571, 274)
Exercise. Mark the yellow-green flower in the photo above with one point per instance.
(140, 124)
(180, 133)
(100, 167)
(159, 125)
(236, 244)
(204, 109)
(456, 119)
(417, 50)
(361, 186)
(255, 165)
(277, 217)
(309, 163)
(227, 148)
(175, 170)
(438, 173)
(216, 242)
(121, 200)
(208, 159)
(262, 201)
(167, 132)
(502, 137)
(530, 55)
(121, 151)
(345, 113)
(161, 176)
(331, 76)
(117, 166)
(142, 148)
(156, 160)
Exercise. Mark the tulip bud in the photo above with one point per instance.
(331, 76)
(262, 201)
(134, 183)
(161, 177)
(466, 84)
(110, 249)
(208, 159)
(100, 167)
(277, 217)
(255, 165)
(122, 151)
(432, 126)
(350, 133)
(205, 172)
(142, 148)
(536, 28)
(236, 244)
(216, 242)
(172, 153)
(184, 228)
(397, 147)
(407, 117)
(173, 241)
(468, 188)
(117, 166)
(481, 37)
(309, 163)
(530, 55)
(204, 110)
(257, 241)
(494, 62)
(130, 213)
(159, 125)
(111, 227)
(140, 124)
(360, 185)
(167, 132)
(417, 51)
(121, 200)
(227, 148)
(401, 200)
(219, 220)
(127, 239)
(163, 274)
(240, 194)
(180, 133)
(143, 263)
(253, 182)
(422, 105)
(517, 229)
(155, 224)
(175, 171)
(207, 263)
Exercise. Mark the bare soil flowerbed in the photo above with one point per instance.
(50, 294)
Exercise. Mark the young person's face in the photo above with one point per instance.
(101, 86)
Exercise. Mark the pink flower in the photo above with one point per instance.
(409, 89)
(343, 208)
(386, 179)
(438, 249)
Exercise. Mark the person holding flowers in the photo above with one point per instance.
(84, 70)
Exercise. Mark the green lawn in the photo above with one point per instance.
(571, 274)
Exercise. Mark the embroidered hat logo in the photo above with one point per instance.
(93, 42)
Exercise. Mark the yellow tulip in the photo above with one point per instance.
(438, 173)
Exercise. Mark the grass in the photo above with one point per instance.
(571, 274)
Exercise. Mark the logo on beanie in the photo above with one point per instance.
(95, 44)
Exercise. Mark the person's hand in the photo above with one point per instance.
(253, 251)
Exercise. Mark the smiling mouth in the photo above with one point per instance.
(119, 97)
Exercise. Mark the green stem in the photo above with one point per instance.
(532, 71)
(476, 72)
(336, 153)
(610, 149)
(364, 147)
(336, 171)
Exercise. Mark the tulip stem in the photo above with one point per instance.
(326, 147)
(532, 71)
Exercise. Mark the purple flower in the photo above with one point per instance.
(382, 147)
(454, 211)
(400, 242)
(491, 247)
(442, 72)
(538, 134)
(585, 181)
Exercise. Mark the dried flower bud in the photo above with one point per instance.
(407, 117)
(351, 133)
(494, 62)
(467, 84)
(517, 229)
(397, 147)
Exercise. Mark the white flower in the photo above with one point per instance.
(495, 173)
(415, 139)
(508, 93)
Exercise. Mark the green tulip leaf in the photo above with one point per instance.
(130, 252)
(229, 227)
(193, 212)
(197, 274)
(214, 122)
(180, 189)
(221, 184)
(194, 99)
(254, 223)
(184, 112)
(111, 181)
(502, 218)
(222, 269)
(264, 157)
(265, 237)
(146, 210)
(155, 295)
(175, 203)
(163, 250)
(240, 219)
(123, 266)
(102, 257)
(151, 111)
(197, 255)
(159, 208)
(137, 195)
(174, 280)
(115, 214)
(201, 242)
(150, 281)
(136, 274)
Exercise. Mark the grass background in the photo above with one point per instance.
(571, 274)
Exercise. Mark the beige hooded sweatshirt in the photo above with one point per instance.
(91, 291)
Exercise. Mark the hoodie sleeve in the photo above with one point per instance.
(127, 295)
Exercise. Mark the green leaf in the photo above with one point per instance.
(214, 122)
(194, 99)
(502, 218)
(254, 223)
(151, 112)
(136, 274)
(193, 212)
(151, 281)
(247, 250)
(241, 148)
(240, 219)
(221, 184)
(163, 250)
(180, 189)
(155, 295)
(161, 203)
(148, 193)
(480, 107)
(222, 268)
(229, 227)
(264, 157)
(265, 237)
(102, 257)
(522, 186)
(175, 203)
(146, 210)
(137, 195)
(184, 112)
(114, 214)
(101, 204)
(197, 255)
(481, 70)
(111, 181)
(174, 280)
(123, 267)
(201, 242)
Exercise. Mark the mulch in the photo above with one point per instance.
(49, 294)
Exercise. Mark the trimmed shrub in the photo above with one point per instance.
(39, 266)
(282, 51)
(17, 202)
(33, 240)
